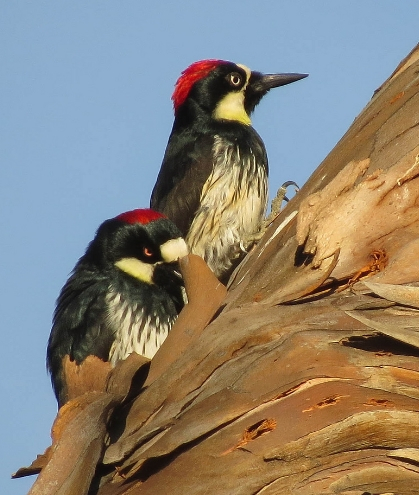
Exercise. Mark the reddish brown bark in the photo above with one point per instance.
(307, 380)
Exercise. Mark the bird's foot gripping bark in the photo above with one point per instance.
(249, 241)
(277, 202)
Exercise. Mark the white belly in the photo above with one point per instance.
(232, 206)
(134, 331)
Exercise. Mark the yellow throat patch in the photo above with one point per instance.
(136, 268)
(231, 107)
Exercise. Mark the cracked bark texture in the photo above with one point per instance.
(307, 380)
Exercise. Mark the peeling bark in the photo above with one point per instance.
(306, 381)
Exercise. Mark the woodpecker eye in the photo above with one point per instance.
(235, 79)
(148, 252)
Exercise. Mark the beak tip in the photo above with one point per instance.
(290, 78)
(265, 82)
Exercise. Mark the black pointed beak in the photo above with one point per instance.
(260, 84)
(167, 273)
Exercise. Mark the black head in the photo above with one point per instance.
(136, 242)
(224, 90)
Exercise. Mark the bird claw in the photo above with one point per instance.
(277, 201)
(247, 243)
(242, 247)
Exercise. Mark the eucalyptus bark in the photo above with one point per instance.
(307, 379)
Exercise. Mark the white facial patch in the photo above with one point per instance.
(136, 268)
(173, 250)
(231, 107)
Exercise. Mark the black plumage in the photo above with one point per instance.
(213, 180)
(123, 295)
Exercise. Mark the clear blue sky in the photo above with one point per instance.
(85, 113)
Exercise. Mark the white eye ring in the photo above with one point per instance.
(235, 79)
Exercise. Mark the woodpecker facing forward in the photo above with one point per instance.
(123, 295)
(213, 180)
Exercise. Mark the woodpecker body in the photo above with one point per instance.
(213, 182)
(123, 296)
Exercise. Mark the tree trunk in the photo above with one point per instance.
(307, 380)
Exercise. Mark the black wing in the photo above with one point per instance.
(186, 166)
(79, 326)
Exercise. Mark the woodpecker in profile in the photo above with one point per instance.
(123, 295)
(213, 180)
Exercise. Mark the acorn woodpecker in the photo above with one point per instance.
(213, 180)
(123, 295)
